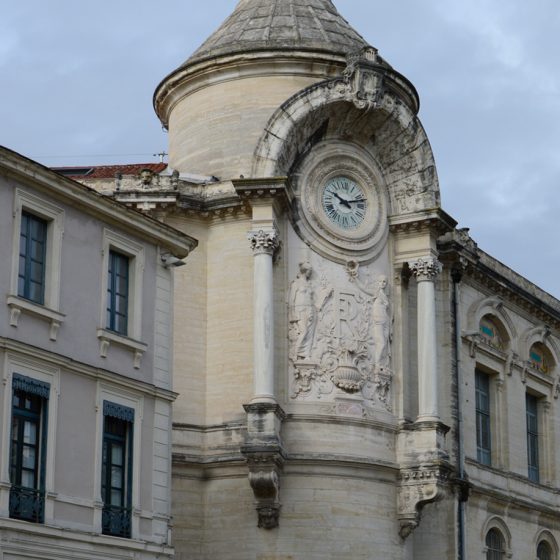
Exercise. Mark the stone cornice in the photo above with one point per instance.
(106, 209)
(262, 189)
(435, 219)
(483, 271)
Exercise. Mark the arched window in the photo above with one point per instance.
(490, 332)
(495, 545)
(544, 552)
(540, 358)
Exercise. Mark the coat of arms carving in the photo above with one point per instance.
(340, 337)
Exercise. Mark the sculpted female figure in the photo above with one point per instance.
(381, 320)
(302, 312)
(381, 324)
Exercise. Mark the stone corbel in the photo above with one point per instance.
(474, 341)
(107, 338)
(418, 487)
(15, 313)
(265, 458)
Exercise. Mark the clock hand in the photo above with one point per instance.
(342, 200)
(358, 200)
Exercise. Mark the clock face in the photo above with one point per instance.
(344, 203)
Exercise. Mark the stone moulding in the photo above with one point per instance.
(384, 105)
(265, 458)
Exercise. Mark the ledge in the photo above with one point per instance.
(106, 338)
(19, 305)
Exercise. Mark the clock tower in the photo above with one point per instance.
(310, 422)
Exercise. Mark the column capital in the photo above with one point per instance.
(264, 242)
(425, 268)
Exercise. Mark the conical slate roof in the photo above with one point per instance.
(284, 25)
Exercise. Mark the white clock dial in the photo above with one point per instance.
(344, 202)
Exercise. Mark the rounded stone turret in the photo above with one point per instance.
(217, 104)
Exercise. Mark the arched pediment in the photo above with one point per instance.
(538, 335)
(370, 106)
(494, 307)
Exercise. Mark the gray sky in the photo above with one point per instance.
(77, 79)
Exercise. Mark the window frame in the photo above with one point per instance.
(25, 277)
(134, 402)
(135, 252)
(20, 493)
(533, 435)
(549, 550)
(38, 371)
(119, 265)
(117, 519)
(483, 415)
(49, 309)
(490, 553)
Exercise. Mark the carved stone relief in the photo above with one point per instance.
(340, 337)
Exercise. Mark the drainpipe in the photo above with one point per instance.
(456, 276)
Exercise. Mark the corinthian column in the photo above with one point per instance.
(264, 244)
(425, 271)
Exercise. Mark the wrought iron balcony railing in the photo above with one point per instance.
(116, 521)
(27, 504)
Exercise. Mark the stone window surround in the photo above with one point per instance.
(497, 524)
(54, 215)
(497, 416)
(547, 537)
(45, 374)
(135, 252)
(136, 403)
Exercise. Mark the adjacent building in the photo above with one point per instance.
(357, 378)
(85, 363)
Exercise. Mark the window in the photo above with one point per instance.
(483, 432)
(495, 545)
(28, 448)
(32, 258)
(117, 293)
(532, 436)
(544, 552)
(116, 475)
(38, 227)
(122, 293)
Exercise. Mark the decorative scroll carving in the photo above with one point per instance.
(419, 486)
(362, 82)
(264, 242)
(425, 268)
(340, 338)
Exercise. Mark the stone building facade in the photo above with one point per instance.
(85, 363)
(356, 377)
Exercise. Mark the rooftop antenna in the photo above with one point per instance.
(161, 155)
